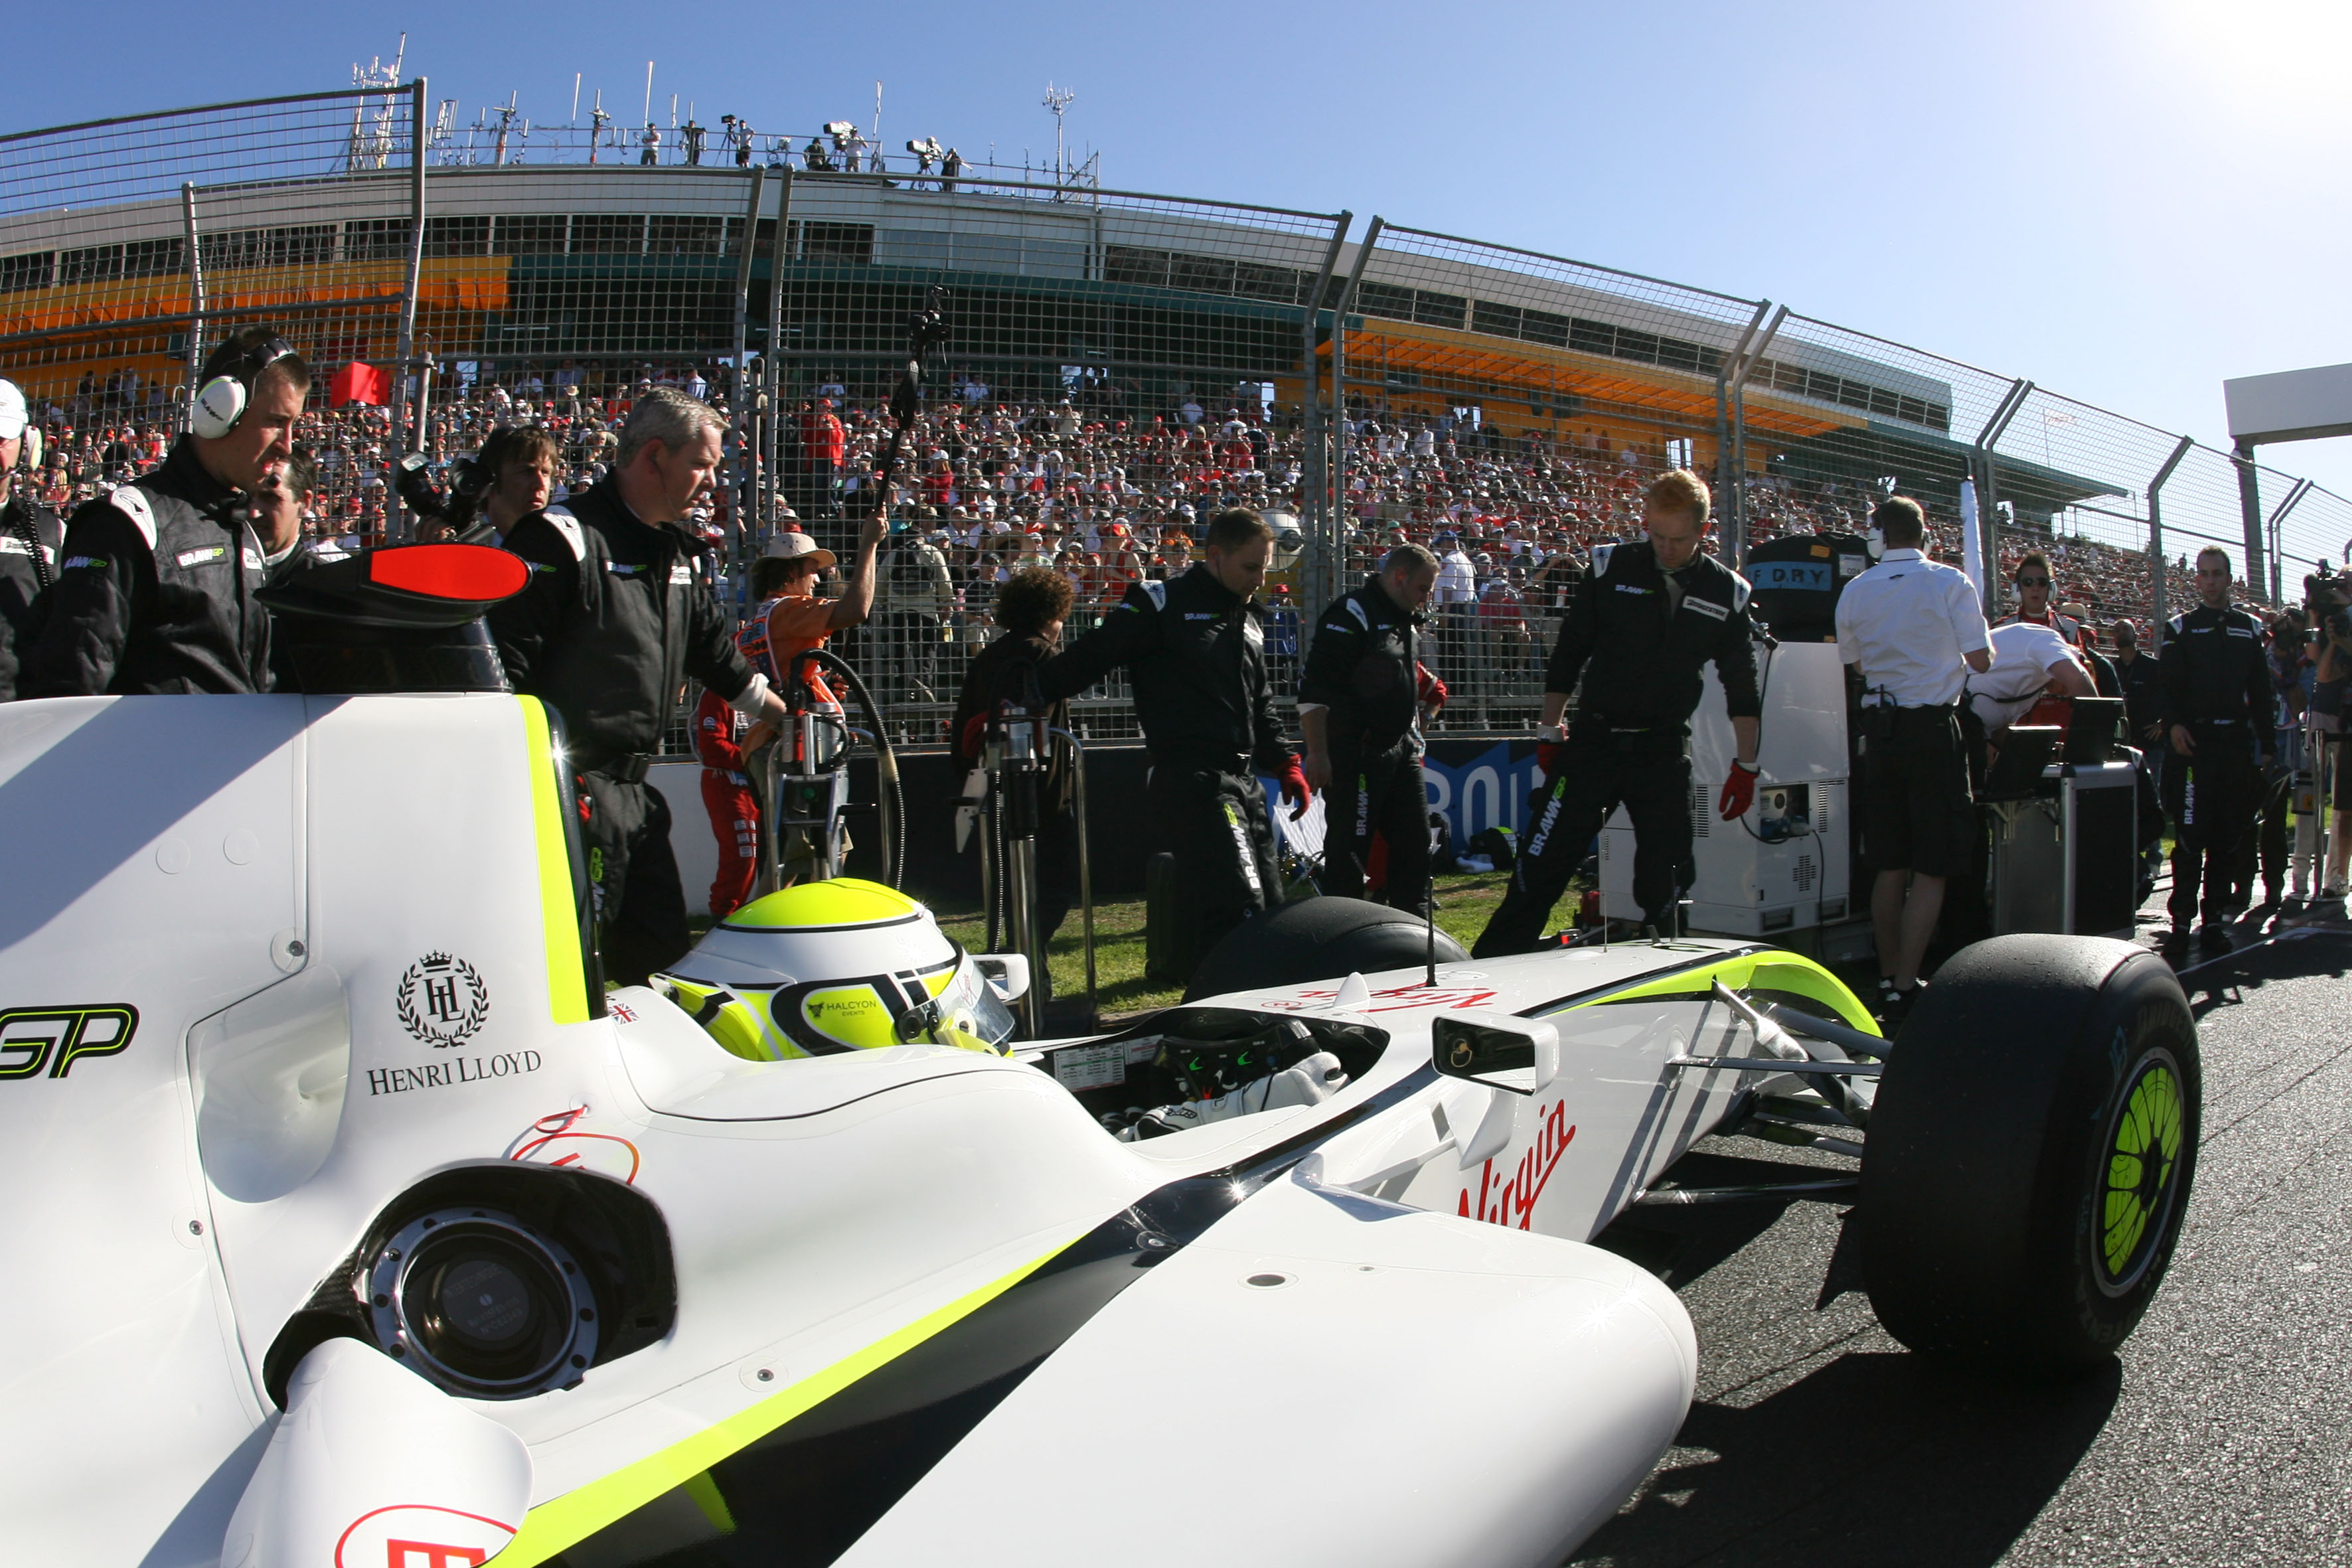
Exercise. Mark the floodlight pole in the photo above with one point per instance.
(2155, 538)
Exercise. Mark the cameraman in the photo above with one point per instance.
(516, 475)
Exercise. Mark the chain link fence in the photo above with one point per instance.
(1118, 365)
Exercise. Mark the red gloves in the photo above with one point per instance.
(1428, 688)
(1551, 755)
(975, 732)
(1295, 792)
(1739, 791)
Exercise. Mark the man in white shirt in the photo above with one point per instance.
(1914, 629)
(2028, 659)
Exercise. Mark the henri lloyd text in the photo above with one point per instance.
(441, 1075)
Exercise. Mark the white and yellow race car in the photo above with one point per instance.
(353, 1221)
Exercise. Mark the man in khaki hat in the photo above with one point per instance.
(792, 618)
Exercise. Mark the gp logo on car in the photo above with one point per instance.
(33, 1038)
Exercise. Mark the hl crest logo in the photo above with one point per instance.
(32, 1039)
(442, 1001)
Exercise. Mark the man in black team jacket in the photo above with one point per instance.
(29, 539)
(155, 592)
(1196, 648)
(2219, 714)
(1359, 706)
(1648, 616)
(617, 615)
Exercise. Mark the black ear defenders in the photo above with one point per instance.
(222, 401)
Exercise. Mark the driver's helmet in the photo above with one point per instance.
(836, 966)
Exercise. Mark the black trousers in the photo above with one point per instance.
(1211, 818)
(2263, 849)
(911, 653)
(2212, 798)
(633, 872)
(1376, 794)
(1649, 774)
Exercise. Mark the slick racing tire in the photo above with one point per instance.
(2031, 1153)
(1317, 939)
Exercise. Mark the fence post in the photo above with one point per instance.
(739, 426)
(394, 517)
(1745, 358)
(196, 297)
(1313, 469)
(2250, 511)
(1321, 594)
(773, 363)
(2155, 538)
(2278, 541)
(1989, 491)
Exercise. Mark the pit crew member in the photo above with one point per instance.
(613, 621)
(1359, 708)
(2031, 660)
(2219, 714)
(1912, 629)
(1196, 648)
(29, 537)
(1642, 622)
(154, 595)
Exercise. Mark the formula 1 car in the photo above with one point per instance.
(355, 1222)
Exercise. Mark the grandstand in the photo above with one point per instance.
(1114, 359)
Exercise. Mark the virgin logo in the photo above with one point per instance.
(1512, 1201)
(421, 1535)
(1395, 999)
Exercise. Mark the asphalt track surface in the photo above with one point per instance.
(2222, 1434)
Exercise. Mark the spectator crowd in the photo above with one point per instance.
(1104, 495)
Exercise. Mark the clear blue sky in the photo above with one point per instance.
(2126, 202)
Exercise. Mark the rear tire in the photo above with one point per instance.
(2031, 1152)
(1317, 939)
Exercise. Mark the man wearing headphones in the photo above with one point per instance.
(155, 593)
(29, 538)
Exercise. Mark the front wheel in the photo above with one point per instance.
(2031, 1152)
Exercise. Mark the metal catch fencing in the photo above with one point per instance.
(1117, 366)
(130, 248)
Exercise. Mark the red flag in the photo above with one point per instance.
(358, 383)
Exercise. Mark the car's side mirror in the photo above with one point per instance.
(1518, 1054)
(1008, 971)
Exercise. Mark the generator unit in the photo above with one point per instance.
(1787, 865)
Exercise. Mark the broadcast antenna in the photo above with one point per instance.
(1058, 99)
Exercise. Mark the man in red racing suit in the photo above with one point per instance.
(728, 796)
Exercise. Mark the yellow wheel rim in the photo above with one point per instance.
(2142, 1157)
